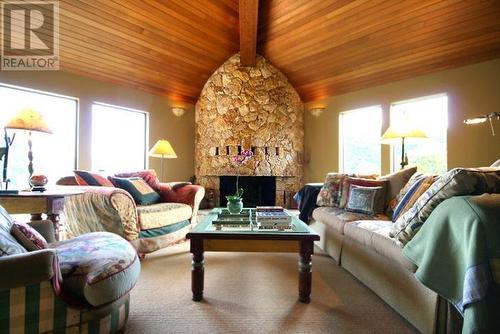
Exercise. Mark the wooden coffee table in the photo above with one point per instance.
(205, 237)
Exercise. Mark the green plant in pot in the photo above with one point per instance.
(235, 202)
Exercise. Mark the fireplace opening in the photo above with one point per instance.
(258, 190)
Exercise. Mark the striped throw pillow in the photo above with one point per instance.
(85, 178)
(412, 195)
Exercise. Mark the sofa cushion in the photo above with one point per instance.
(365, 200)
(329, 194)
(8, 244)
(28, 237)
(412, 195)
(99, 267)
(141, 191)
(162, 214)
(148, 175)
(396, 181)
(346, 187)
(337, 218)
(374, 234)
(85, 178)
(457, 182)
(394, 201)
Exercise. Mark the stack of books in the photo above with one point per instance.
(272, 217)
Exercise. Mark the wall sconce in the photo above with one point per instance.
(316, 112)
(484, 118)
(178, 111)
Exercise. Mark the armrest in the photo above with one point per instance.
(27, 268)
(183, 192)
(45, 228)
(101, 209)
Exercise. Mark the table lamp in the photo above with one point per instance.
(394, 133)
(162, 149)
(30, 120)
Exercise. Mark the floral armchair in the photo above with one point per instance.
(147, 227)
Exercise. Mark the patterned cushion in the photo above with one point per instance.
(365, 199)
(396, 181)
(162, 214)
(8, 244)
(329, 195)
(99, 267)
(348, 181)
(412, 195)
(142, 193)
(85, 178)
(394, 201)
(147, 175)
(457, 182)
(28, 237)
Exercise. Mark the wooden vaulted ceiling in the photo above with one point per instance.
(325, 47)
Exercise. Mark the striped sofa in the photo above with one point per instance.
(80, 285)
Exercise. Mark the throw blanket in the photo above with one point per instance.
(457, 252)
(306, 199)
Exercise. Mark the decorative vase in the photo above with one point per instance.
(235, 207)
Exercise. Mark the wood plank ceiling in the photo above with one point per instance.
(325, 47)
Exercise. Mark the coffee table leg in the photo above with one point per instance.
(197, 269)
(305, 274)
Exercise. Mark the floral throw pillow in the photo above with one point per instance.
(28, 237)
(329, 195)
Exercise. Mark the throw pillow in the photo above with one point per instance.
(28, 237)
(348, 181)
(412, 195)
(364, 199)
(141, 192)
(85, 178)
(457, 182)
(8, 244)
(396, 181)
(329, 195)
(148, 175)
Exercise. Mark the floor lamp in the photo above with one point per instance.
(394, 134)
(163, 150)
(29, 120)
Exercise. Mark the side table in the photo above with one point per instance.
(50, 202)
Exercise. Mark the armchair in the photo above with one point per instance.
(148, 227)
(53, 290)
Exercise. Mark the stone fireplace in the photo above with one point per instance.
(252, 108)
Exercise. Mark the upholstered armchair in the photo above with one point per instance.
(80, 285)
(147, 227)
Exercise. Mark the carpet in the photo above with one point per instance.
(253, 293)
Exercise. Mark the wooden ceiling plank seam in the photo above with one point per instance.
(211, 11)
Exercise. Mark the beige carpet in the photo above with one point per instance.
(253, 293)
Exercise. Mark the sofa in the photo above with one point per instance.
(79, 285)
(371, 246)
(147, 227)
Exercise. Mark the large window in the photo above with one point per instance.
(119, 138)
(54, 155)
(429, 114)
(360, 140)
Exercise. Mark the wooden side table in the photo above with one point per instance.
(50, 202)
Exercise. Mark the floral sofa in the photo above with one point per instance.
(147, 227)
(371, 246)
(80, 285)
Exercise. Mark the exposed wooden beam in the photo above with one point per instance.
(249, 12)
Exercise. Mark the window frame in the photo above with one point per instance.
(138, 111)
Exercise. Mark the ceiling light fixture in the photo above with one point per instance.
(178, 111)
(484, 118)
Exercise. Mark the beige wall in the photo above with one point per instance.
(162, 123)
(472, 90)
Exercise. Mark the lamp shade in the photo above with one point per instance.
(395, 133)
(162, 149)
(29, 119)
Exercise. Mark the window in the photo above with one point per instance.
(360, 140)
(54, 155)
(429, 114)
(119, 138)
